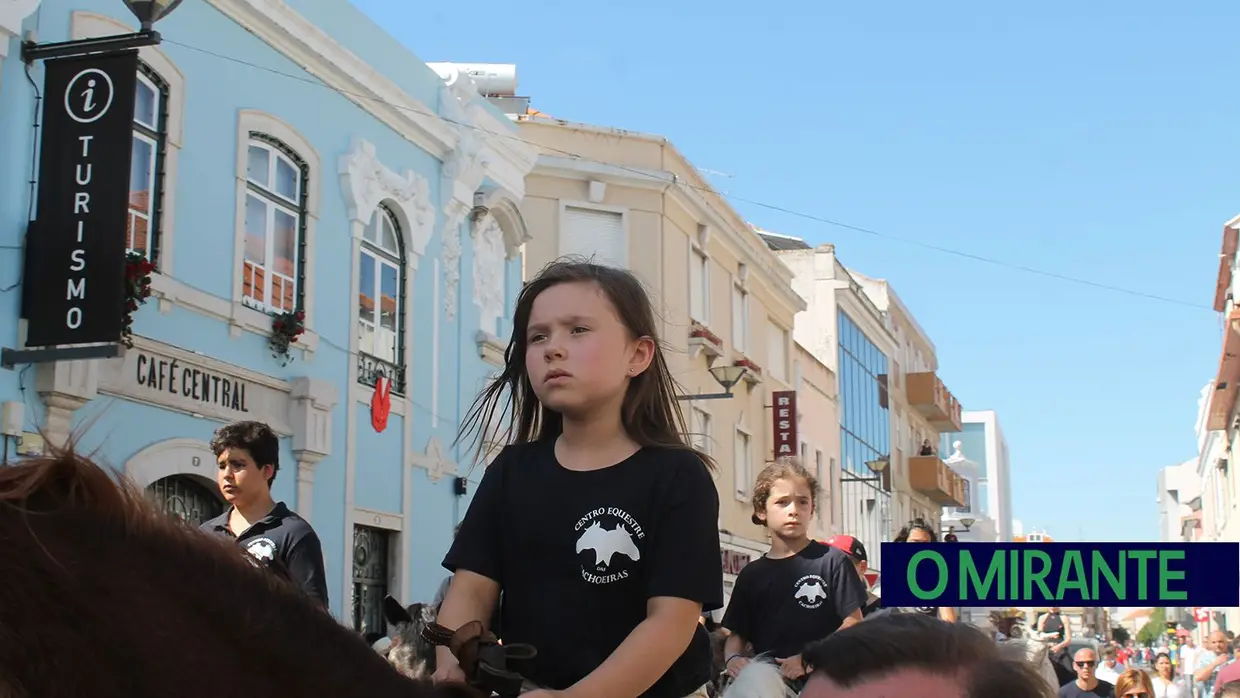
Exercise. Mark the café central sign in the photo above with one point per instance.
(159, 374)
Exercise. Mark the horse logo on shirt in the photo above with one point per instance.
(607, 544)
(811, 591)
(263, 550)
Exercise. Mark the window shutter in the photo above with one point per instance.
(595, 235)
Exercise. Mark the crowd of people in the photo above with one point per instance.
(593, 537)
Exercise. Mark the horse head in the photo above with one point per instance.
(411, 653)
(105, 595)
(760, 678)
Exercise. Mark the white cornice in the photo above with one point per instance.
(580, 169)
(286, 30)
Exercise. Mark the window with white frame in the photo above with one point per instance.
(595, 234)
(381, 302)
(740, 318)
(699, 285)
(146, 168)
(742, 464)
(777, 351)
(275, 213)
(701, 430)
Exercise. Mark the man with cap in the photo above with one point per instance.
(855, 551)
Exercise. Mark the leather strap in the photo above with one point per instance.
(487, 664)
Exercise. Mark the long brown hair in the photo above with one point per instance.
(650, 413)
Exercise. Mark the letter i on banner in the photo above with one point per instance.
(381, 403)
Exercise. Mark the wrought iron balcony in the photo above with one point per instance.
(370, 368)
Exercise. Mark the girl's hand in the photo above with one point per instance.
(448, 673)
(735, 665)
(792, 667)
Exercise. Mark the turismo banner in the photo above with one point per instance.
(1060, 574)
(73, 282)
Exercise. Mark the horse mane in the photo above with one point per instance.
(105, 595)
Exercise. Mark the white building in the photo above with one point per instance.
(970, 522)
(983, 443)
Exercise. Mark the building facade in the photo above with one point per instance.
(842, 328)
(922, 409)
(291, 175)
(723, 299)
(982, 441)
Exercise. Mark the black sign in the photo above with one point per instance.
(74, 281)
(171, 376)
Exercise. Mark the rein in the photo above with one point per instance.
(489, 666)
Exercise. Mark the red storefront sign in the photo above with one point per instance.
(784, 417)
(733, 561)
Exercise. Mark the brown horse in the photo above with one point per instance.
(101, 594)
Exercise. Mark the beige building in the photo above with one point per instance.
(890, 400)
(633, 200)
(922, 409)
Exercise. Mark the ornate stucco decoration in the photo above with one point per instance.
(434, 461)
(462, 174)
(451, 269)
(366, 183)
(490, 267)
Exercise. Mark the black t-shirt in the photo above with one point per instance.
(1102, 690)
(284, 537)
(781, 605)
(578, 554)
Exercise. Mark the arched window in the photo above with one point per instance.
(381, 302)
(273, 274)
(146, 169)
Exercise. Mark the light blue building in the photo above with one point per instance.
(288, 155)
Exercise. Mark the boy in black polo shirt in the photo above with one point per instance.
(799, 592)
(248, 454)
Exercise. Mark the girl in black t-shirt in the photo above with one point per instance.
(801, 590)
(598, 522)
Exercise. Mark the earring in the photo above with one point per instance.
(631, 370)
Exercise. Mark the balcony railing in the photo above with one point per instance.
(932, 400)
(935, 479)
(370, 368)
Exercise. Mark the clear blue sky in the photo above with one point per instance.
(1095, 140)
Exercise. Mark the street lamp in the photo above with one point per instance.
(876, 466)
(726, 376)
(147, 12)
(967, 523)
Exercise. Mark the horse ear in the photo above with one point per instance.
(394, 612)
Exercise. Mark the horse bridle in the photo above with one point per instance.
(488, 665)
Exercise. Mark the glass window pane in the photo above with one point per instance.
(389, 235)
(255, 229)
(366, 303)
(284, 245)
(286, 179)
(258, 165)
(389, 293)
(146, 106)
(141, 169)
(369, 233)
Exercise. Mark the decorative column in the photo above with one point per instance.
(65, 387)
(310, 414)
